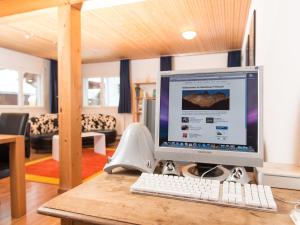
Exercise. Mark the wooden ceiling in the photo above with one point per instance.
(140, 30)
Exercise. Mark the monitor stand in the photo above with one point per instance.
(196, 171)
(201, 168)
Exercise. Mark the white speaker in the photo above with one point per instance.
(135, 150)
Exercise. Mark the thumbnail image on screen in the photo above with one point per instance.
(206, 99)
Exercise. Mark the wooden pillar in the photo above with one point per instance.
(69, 95)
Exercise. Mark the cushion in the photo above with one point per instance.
(48, 123)
(43, 124)
(94, 122)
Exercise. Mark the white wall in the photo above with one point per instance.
(147, 70)
(141, 70)
(26, 63)
(101, 69)
(277, 49)
(205, 61)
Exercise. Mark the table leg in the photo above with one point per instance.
(99, 144)
(55, 148)
(17, 177)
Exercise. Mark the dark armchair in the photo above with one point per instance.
(11, 123)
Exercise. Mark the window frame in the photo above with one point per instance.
(102, 92)
(85, 92)
(21, 73)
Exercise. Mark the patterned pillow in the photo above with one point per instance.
(92, 122)
(48, 123)
(43, 124)
(109, 122)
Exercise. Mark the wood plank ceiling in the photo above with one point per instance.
(140, 30)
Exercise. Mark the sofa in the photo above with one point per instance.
(43, 127)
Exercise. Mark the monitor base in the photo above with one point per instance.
(196, 170)
(221, 173)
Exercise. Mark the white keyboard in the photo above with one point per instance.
(251, 196)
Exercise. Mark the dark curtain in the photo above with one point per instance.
(53, 87)
(234, 59)
(165, 63)
(125, 91)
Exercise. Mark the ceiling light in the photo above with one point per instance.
(98, 4)
(27, 36)
(29, 81)
(189, 35)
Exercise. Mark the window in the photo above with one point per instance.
(112, 91)
(101, 91)
(31, 89)
(19, 89)
(9, 87)
(94, 91)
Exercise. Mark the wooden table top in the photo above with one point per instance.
(4, 138)
(107, 199)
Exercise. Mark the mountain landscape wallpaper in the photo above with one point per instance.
(206, 99)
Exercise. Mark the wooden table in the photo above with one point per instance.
(17, 173)
(106, 200)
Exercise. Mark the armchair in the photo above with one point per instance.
(11, 123)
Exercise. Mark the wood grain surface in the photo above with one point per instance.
(107, 197)
(144, 29)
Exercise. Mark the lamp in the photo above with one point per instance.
(189, 35)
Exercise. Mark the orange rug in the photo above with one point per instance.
(46, 170)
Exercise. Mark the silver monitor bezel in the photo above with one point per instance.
(208, 156)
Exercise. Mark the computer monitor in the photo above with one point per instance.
(210, 116)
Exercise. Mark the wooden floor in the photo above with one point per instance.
(35, 156)
(37, 194)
